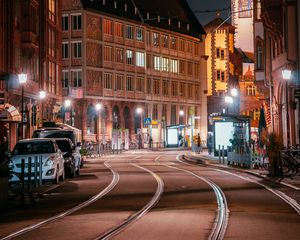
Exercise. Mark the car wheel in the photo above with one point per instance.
(62, 177)
(56, 179)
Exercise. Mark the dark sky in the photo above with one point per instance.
(202, 5)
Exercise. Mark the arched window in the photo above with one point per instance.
(91, 120)
(116, 117)
(126, 114)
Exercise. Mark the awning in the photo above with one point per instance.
(8, 113)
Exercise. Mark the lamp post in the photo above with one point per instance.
(286, 75)
(22, 80)
(42, 95)
(98, 110)
(139, 111)
(67, 104)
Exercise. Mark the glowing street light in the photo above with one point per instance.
(228, 99)
(234, 92)
(181, 112)
(67, 103)
(286, 74)
(139, 110)
(42, 94)
(98, 107)
(22, 78)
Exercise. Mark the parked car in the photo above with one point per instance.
(59, 133)
(47, 149)
(72, 160)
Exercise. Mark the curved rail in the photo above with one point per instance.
(136, 216)
(221, 220)
(112, 184)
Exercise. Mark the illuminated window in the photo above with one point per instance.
(245, 8)
(157, 63)
(139, 34)
(108, 80)
(76, 22)
(119, 55)
(129, 57)
(107, 53)
(77, 81)
(140, 59)
(173, 65)
(164, 64)
(129, 32)
(119, 29)
(250, 90)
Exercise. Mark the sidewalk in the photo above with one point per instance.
(204, 157)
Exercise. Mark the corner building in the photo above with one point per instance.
(148, 56)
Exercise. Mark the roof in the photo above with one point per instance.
(180, 11)
(216, 23)
(247, 57)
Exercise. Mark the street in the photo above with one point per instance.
(157, 195)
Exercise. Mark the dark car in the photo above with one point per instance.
(72, 166)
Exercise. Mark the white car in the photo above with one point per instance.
(47, 150)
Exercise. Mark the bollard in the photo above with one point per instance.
(223, 153)
(29, 175)
(40, 170)
(35, 170)
(219, 153)
(22, 181)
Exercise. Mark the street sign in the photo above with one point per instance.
(297, 93)
(147, 121)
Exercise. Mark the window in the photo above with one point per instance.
(173, 43)
(76, 21)
(130, 83)
(259, 58)
(156, 86)
(181, 45)
(140, 59)
(173, 114)
(250, 90)
(107, 27)
(182, 90)
(65, 23)
(174, 89)
(197, 92)
(129, 32)
(157, 63)
(119, 79)
(220, 53)
(108, 80)
(119, 55)
(139, 34)
(140, 84)
(129, 57)
(181, 67)
(148, 38)
(149, 86)
(189, 46)
(52, 41)
(155, 112)
(197, 70)
(164, 112)
(258, 10)
(155, 38)
(173, 66)
(190, 68)
(165, 41)
(65, 79)
(77, 82)
(220, 75)
(165, 88)
(148, 61)
(65, 50)
(119, 29)
(77, 49)
(190, 91)
(245, 9)
(164, 64)
(196, 49)
(107, 53)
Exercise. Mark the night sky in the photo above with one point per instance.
(202, 5)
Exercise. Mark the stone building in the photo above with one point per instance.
(137, 61)
(29, 35)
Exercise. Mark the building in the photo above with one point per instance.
(219, 47)
(137, 61)
(29, 37)
(281, 66)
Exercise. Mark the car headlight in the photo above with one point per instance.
(49, 162)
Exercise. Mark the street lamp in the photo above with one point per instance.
(234, 92)
(286, 75)
(42, 95)
(22, 80)
(67, 104)
(98, 108)
(181, 113)
(228, 100)
(139, 111)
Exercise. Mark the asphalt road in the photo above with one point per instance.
(154, 195)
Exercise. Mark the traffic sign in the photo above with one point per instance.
(147, 121)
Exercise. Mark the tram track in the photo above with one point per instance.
(106, 190)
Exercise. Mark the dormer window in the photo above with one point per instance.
(169, 21)
(178, 24)
(125, 7)
(188, 27)
(115, 4)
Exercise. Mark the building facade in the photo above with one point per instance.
(281, 66)
(137, 63)
(29, 37)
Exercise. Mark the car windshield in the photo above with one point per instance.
(54, 134)
(64, 145)
(39, 147)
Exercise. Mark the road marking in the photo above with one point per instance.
(112, 184)
(135, 217)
